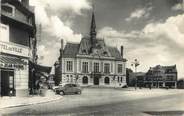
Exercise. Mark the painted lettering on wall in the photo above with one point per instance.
(14, 49)
(10, 48)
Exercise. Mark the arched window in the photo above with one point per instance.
(85, 80)
(106, 80)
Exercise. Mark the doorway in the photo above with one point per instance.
(96, 80)
(7, 82)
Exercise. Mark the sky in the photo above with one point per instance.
(151, 31)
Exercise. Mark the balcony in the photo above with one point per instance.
(17, 17)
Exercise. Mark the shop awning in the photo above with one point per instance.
(11, 62)
(40, 68)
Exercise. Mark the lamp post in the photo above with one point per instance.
(135, 64)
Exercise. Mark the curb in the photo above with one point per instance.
(27, 104)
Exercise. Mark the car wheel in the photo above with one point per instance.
(61, 93)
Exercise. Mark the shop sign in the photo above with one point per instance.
(12, 66)
(11, 48)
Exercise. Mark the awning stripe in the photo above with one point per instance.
(11, 60)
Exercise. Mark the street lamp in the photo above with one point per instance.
(135, 64)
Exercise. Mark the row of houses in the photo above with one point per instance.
(158, 77)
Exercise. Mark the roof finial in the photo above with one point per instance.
(93, 25)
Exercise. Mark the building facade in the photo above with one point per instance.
(180, 83)
(137, 79)
(17, 46)
(161, 76)
(91, 62)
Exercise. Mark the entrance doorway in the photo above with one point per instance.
(85, 80)
(7, 82)
(96, 80)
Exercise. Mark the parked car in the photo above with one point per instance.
(56, 87)
(68, 89)
(125, 86)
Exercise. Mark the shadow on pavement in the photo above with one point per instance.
(165, 113)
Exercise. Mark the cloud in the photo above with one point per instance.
(179, 6)
(172, 29)
(116, 34)
(60, 30)
(156, 43)
(50, 15)
(62, 5)
(139, 13)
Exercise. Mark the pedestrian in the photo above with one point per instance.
(150, 86)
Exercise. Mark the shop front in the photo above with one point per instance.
(7, 82)
(13, 75)
(14, 69)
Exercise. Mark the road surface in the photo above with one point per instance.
(108, 102)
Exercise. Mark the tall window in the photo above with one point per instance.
(120, 67)
(96, 67)
(106, 68)
(69, 66)
(85, 67)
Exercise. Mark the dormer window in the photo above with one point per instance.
(8, 9)
(105, 53)
(84, 51)
(98, 46)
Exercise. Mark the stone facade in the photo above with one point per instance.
(91, 62)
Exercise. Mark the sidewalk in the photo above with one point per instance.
(8, 102)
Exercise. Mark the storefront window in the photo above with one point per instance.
(11, 81)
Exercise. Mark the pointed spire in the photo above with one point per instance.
(93, 26)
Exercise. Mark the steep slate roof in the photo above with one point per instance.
(91, 45)
(70, 50)
(84, 45)
(114, 52)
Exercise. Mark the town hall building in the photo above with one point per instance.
(91, 62)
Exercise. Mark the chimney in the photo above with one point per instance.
(122, 48)
(25, 3)
(61, 49)
(60, 60)
(62, 44)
